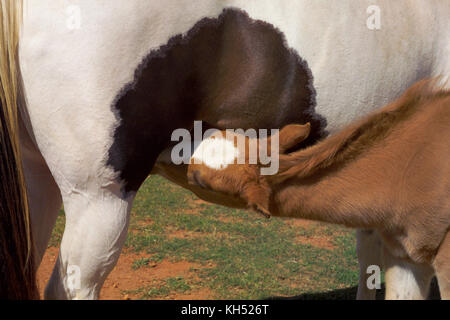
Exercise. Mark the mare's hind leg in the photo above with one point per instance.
(406, 280)
(441, 266)
(368, 249)
(96, 229)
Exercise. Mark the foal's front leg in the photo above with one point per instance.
(406, 280)
(96, 229)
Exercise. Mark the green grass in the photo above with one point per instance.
(244, 256)
(170, 286)
(58, 230)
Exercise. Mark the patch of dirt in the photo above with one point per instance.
(319, 242)
(46, 268)
(196, 206)
(194, 211)
(183, 234)
(140, 225)
(199, 201)
(144, 222)
(322, 242)
(300, 223)
(124, 278)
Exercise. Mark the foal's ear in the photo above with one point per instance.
(293, 134)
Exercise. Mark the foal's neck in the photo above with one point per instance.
(356, 139)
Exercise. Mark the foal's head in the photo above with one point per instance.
(229, 163)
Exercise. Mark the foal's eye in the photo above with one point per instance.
(198, 180)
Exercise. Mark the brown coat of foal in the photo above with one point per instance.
(389, 171)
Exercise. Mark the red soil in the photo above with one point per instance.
(124, 278)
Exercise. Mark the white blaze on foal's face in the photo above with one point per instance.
(216, 152)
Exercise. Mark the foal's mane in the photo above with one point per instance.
(359, 136)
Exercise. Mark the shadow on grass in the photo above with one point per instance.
(350, 294)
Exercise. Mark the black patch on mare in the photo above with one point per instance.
(230, 72)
